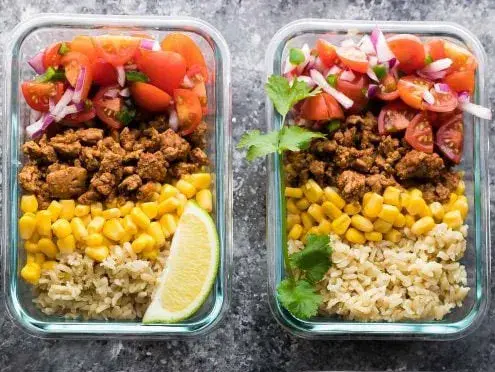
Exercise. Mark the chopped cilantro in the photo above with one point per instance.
(136, 76)
(299, 297)
(64, 49)
(125, 116)
(50, 75)
(333, 125)
(380, 71)
(314, 259)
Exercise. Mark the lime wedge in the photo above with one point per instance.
(191, 269)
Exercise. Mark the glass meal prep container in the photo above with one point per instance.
(461, 320)
(26, 40)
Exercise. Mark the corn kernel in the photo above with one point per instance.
(393, 236)
(168, 205)
(44, 223)
(99, 253)
(293, 192)
(31, 247)
(186, 188)
(61, 228)
(332, 196)
(293, 219)
(96, 224)
(410, 221)
(366, 197)
(453, 219)
(67, 244)
(48, 265)
(361, 223)
(437, 211)
(140, 218)
(78, 228)
(373, 236)
(54, 208)
(462, 206)
(425, 211)
(295, 232)
(352, 208)
(142, 242)
(113, 230)
(355, 236)
(373, 206)
(205, 200)
(31, 273)
(168, 223)
(127, 237)
(29, 203)
(126, 208)
(94, 240)
(416, 206)
(307, 220)
(423, 225)
(312, 191)
(405, 198)
(96, 209)
(150, 255)
(416, 192)
(150, 209)
(341, 224)
(86, 220)
(400, 220)
(303, 204)
(201, 181)
(325, 227)
(27, 226)
(48, 247)
(291, 206)
(391, 196)
(111, 213)
(461, 188)
(81, 210)
(39, 258)
(168, 191)
(389, 213)
(156, 232)
(129, 225)
(30, 258)
(316, 212)
(382, 226)
(68, 209)
(331, 210)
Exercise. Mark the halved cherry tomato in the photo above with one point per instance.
(461, 80)
(434, 48)
(37, 95)
(394, 117)
(149, 97)
(196, 72)
(419, 133)
(117, 50)
(411, 90)
(326, 52)
(52, 57)
(442, 118)
(155, 64)
(460, 57)
(444, 102)
(200, 90)
(74, 62)
(450, 139)
(354, 90)
(108, 108)
(388, 89)
(76, 120)
(353, 58)
(321, 107)
(104, 73)
(188, 110)
(186, 47)
(409, 50)
(84, 44)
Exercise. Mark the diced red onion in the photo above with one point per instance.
(37, 63)
(334, 70)
(111, 93)
(392, 63)
(187, 83)
(428, 97)
(147, 44)
(442, 87)
(120, 75)
(463, 97)
(382, 49)
(438, 65)
(36, 129)
(347, 43)
(64, 101)
(372, 74)
(347, 75)
(80, 106)
(476, 110)
(366, 45)
(67, 110)
(35, 115)
(79, 85)
(311, 62)
(130, 67)
(322, 83)
(307, 80)
(173, 120)
(51, 104)
(372, 90)
(125, 92)
(432, 75)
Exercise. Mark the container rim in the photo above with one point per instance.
(276, 220)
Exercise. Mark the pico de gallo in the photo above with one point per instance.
(110, 76)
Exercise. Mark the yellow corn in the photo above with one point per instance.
(54, 208)
(81, 210)
(127, 237)
(325, 227)
(293, 219)
(99, 253)
(86, 220)
(30, 258)
(341, 224)
(312, 191)
(113, 230)
(48, 265)
(44, 223)
(361, 223)
(352, 208)
(156, 232)
(126, 208)
(405, 198)
(111, 213)
(416, 192)
(182, 200)
(168, 205)
(416, 205)
(461, 188)
(186, 188)
(307, 220)
(293, 192)
(332, 196)
(129, 225)
(27, 226)
(94, 240)
(96, 224)
(400, 220)
(150, 209)
(355, 236)
(382, 226)
(366, 197)
(291, 206)
(31, 273)
(29, 203)
(423, 225)
(295, 232)
(373, 205)
(67, 244)
(389, 213)
(61, 228)
(331, 210)
(410, 221)
(31, 247)
(374, 236)
(391, 196)
(201, 180)
(303, 204)
(316, 212)
(150, 255)
(453, 219)
(425, 211)
(168, 223)
(96, 209)
(39, 258)
(393, 236)
(48, 247)
(437, 211)
(78, 228)
(462, 206)
(167, 192)
(68, 209)
(142, 242)
(140, 218)
(205, 200)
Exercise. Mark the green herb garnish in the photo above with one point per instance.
(428, 59)
(136, 76)
(64, 49)
(333, 125)
(332, 80)
(50, 75)
(125, 116)
(380, 71)
(296, 56)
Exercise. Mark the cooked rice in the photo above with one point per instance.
(416, 279)
(118, 288)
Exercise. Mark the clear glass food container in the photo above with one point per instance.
(461, 320)
(27, 39)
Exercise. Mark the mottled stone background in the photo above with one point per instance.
(260, 344)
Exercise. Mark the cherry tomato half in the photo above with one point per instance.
(450, 139)
(104, 73)
(76, 120)
(188, 109)
(37, 95)
(51, 57)
(149, 97)
(409, 50)
(444, 102)
(419, 133)
(461, 57)
(326, 52)
(117, 50)
(153, 64)
(74, 62)
(462, 80)
(388, 89)
(186, 47)
(354, 90)
(108, 108)
(411, 90)
(434, 48)
(394, 117)
(353, 58)
(321, 107)
(84, 44)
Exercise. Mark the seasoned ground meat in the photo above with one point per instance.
(198, 156)
(67, 183)
(198, 138)
(152, 167)
(90, 135)
(40, 152)
(180, 169)
(173, 146)
(90, 158)
(352, 185)
(128, 138)
(130, 184)
(104, 183)
(417, 164)
(30, 178)
(146, 191)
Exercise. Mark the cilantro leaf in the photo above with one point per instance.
(299, 297)
(283, 95)
(136, 76)
(258, 144)
(296, 138)
(125, 116)
(314, 259)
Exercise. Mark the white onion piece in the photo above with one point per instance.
(442, 88)
(130, 67)
(438, 65)
(173, 120)
(37, 128)
(64, 101)
(125, 92)
(111, 93)
(51, 104)
(373, 61)
(382, 49)
(347, 75)
(428, 97)
(37, 63)
(307, 80)
(366, 45)
(307, 54)
(120, 75)
(347, 43)
(476, 110)
(79, 85)
(372, 74)
(322, 83)
(67, 110)
(334, 70)
(34, 115)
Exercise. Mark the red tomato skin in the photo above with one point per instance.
(321, 107)
(188, 109)
(449, 103)
(390, 96)
(358, 65)
(37, 95)
(354, 90)
(326, 52)
(104, 73)
(185, 46)
(411, 89)
(196, 72)
(51, 57)
(417, 130)
(461, 80)
(409, 50)
(117, 50)
(99, 105)
(76, 120)
(435, 49)
(154, 64)
(397, 111)
(450, 139)
(149, 97)
(73, 62)
(84, 44)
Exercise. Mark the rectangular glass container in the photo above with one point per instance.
(26, 40)
(461, 320)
